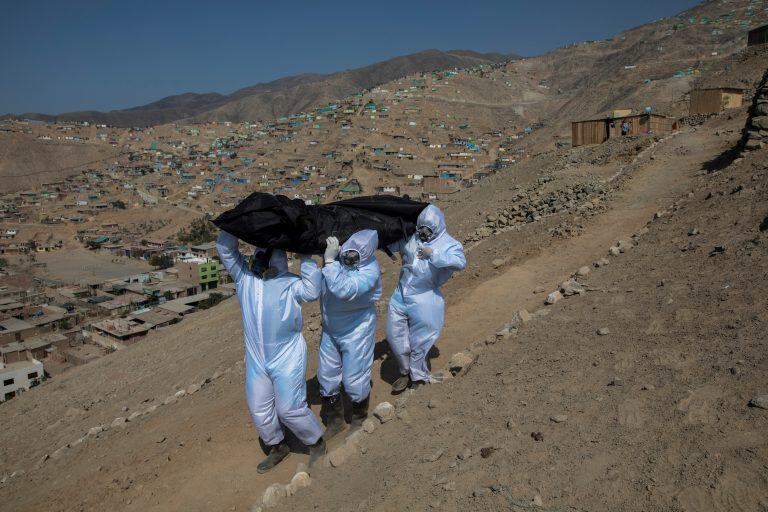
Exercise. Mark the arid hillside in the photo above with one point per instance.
(26, 162)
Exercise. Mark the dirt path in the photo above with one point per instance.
(493, 302)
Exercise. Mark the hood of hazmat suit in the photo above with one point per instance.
(348, 305)
(276, 357)
(417, 310)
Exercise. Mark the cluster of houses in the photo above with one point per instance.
(53, 327)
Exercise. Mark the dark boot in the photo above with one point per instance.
(276, 454)
(317, 451)
(332, 411)
(360, 412)
(401, 384)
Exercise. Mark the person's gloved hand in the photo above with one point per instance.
(331, 249)
(424, 253)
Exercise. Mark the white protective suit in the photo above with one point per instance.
(348, 304)
(417, 309)
(275, 350)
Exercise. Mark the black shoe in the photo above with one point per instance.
(360, 411)
(276, 454)
(332, 411)
(317, 451)
(401, 384)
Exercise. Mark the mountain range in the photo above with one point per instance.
(280, 97)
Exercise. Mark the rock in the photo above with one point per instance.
(602, 262)
(118, 422)
(369, 426)
(510, 424)
(537, 501)
(273, 495)
(450, 486)
(603, 331)
(299, 481)
(582, 271)
(94, 431)
(460, 363)
(524, 316)
(170, 400)
(479, 493)
(498, 262)
(403, 416)
(338, 456)
(614, 251)
(553, 297)
(624, 246)
(180, 393)
(193, 388)
(432, 457)
(559, 418)
(465, 454)
(760, 401)
(537, 436)
(693, 232)
(134, 415)
(571, 287)
(616, 381)
(539, 289)
(385, 411)
(487, 451)
(57, 454)
(647, 387)
(760, 122)
(433, 403)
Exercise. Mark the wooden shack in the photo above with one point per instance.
(597, 131)
(714, 100)
(758, 36)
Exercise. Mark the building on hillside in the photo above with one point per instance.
(758, 36)
(597, 131)
(20, 374)
(714, 100)
(13, 329)
(205, 250)
(438, 185)
(202, 272)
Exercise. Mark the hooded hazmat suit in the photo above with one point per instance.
(275, 350)
(348, 305)
(417, 309)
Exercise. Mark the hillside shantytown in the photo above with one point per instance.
(604, 341)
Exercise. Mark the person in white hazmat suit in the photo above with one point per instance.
(275, 351)
(417, 309)
(351, 287)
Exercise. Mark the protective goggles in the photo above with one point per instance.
(350, 258)
(424, 233)
(260, 262)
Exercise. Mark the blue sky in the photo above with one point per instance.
(59, 56)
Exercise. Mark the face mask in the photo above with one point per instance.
(260, 262)
(350, 258)
(424, 233)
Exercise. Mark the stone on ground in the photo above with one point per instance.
(385, 411)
